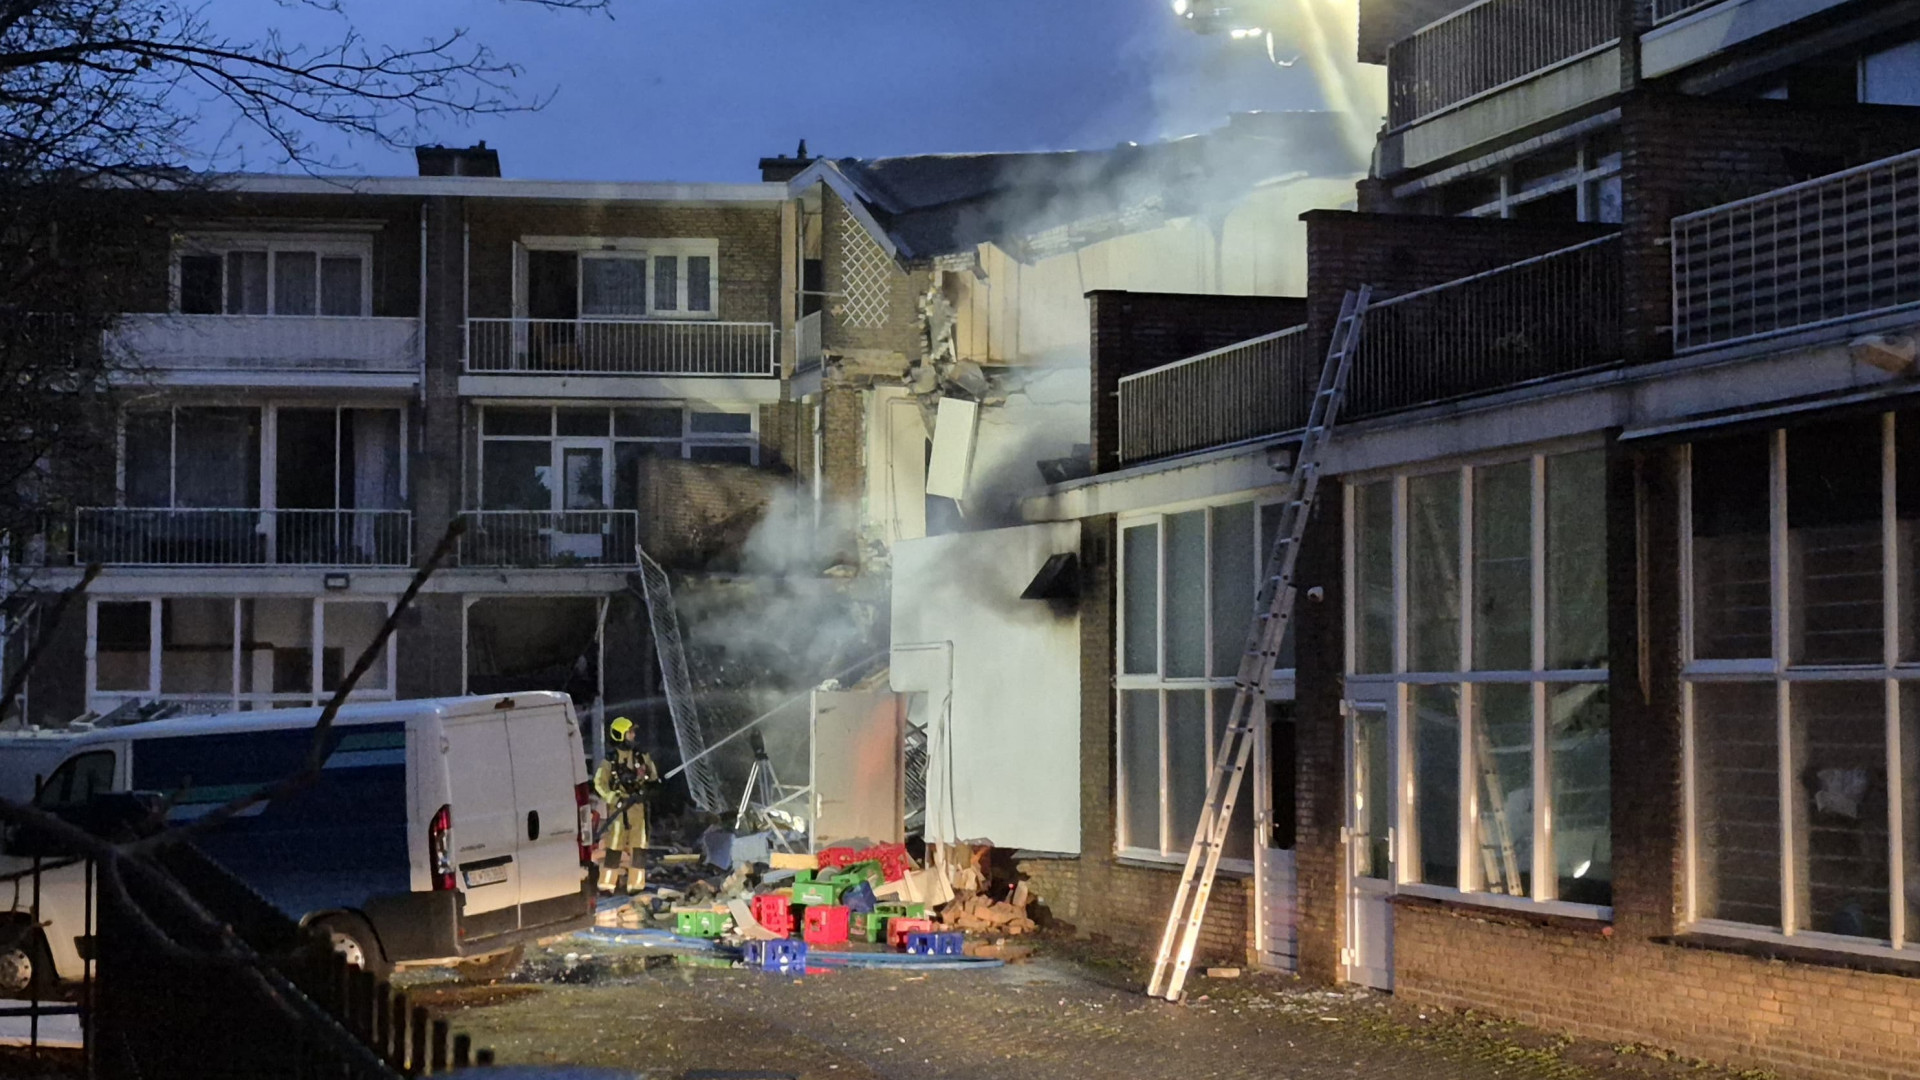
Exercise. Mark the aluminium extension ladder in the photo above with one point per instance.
(1273, 613)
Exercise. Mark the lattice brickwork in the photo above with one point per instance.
(867, 274)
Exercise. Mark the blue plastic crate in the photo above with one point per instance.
(936, 944)
(775, 955)
(859, 899)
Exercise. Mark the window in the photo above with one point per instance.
(77, 781)
(567, 278)
(1187, 584)
(1801, 692)
(241, 275)
(1498, 650)
(526, 453)
(1579, 181)
(224, 652)
(192, 457)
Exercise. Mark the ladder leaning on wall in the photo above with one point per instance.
(1273, 613)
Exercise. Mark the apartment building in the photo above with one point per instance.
(328, 371)
(1601, 711)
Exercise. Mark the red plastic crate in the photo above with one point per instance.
(837, 858)
(891, 857)
(826, 925)
(898, 929)
(774, 913)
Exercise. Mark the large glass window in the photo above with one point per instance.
(1506, 776)
(630, 279)
(218, 653)
(256, 275)
(1187, 592)
(1800, 722)
(535, 459)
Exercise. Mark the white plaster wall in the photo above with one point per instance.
(1002, 679)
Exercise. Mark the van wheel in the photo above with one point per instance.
(25, 966)
(352, 938)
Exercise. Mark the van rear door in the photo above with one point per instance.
(485, 830)
(547, 764)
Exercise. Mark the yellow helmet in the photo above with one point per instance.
(621, 730)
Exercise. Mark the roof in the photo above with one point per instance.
(491, 187)
(1037, 204)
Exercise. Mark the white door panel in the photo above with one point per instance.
(544, 745)
(485, 825)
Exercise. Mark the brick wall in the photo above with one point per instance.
(1681, 154)
(748, 269)
(699, 514)
(898, 339)
(1134, 331)
(1320, 739)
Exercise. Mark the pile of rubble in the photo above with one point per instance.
(872, 897)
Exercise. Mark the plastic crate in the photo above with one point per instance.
(898, 929)
(701, 924)
(810, 893)
(868, 872)
(775, 955)
(936, 944)
(859, 898)
(826, 925)
(891, 857)
(775, 912)
(894, 909)
(836, 858)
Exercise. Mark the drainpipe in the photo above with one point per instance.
(819, 446)
(422, 335)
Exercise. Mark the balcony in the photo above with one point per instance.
(554, 539)
(1257, 387)
(810, 353)
(1839, 248)
(621, 347)
(1489, 45)
(216, 345)
(136, 536)
(1540, 318)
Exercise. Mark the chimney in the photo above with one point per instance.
(778, 170)
(475, 160)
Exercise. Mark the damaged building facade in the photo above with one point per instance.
(328, 372)
(944, 363)
(1601, 712)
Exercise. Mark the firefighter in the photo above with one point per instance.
(624, 781)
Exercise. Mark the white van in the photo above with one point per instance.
(439, 828)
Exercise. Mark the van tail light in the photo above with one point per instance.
(440, 850)
(589, 821)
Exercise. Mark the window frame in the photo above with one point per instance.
(1593, 170)
(322, 245)
(267, 452)
(688, 440)
(100, 700)
(679, 249)
(1162, 685)
(1397, 685)
(1896, 677)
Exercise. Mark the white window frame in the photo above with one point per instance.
(1398, 685)
(1163, 851)
(323, 245)
(688, 442)
(649, 249)
(1589, 174)
(1898, 677)
(101, 700)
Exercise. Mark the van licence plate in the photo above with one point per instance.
(486, 875)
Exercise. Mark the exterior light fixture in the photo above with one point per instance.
(337, 582)
(1183, 8)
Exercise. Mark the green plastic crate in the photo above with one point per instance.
(808, 893)
(869, 872)
(900, 911)
(701, 924)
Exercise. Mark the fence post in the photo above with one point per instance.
(400, 1013)
(462, 1050)
(440, 1033)
(383, 1021)
(483, 1056)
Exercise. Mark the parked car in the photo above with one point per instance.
(439, 829)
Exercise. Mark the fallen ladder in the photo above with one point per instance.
(703, 783)
(1273, 613)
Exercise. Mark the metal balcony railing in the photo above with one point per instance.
(1664, 10)
(621, 347)
(1488, 45)
(1836, 248)
(532, 539)
(1257, 387)
(809, 354)
(148, 536)
(1550, 315)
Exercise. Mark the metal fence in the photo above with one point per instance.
(621, 347)
(1488, 45)
(1830, 249)
(201, 978)
(1550, 315)
(163, 536)
(1257, 387)
(551, 538)
(1673, 9)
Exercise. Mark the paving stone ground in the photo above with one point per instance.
(1064, 1014)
